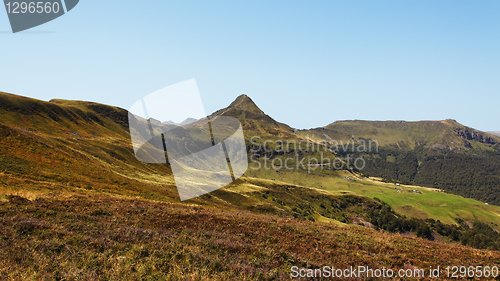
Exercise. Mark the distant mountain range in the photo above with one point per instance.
(183, 123)
(496, 133)
(442, 154)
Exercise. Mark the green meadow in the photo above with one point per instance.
(425, 203)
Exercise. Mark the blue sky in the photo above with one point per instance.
(305, 63)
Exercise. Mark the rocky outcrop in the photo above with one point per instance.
(469, 135)
(467, 144)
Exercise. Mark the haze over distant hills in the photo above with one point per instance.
(183, 123)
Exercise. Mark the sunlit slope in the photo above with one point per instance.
(423, 203)
(72, 145)
(108, 238)
(65, 147)
(441, 154)
(75, 146)
(406, 134)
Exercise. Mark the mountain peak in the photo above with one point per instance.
(252, 117)
(244, 102)
(242, 97)
(242, 105)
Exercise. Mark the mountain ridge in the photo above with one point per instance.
(440, 154)
(243, 104)
(66, 148)
(427, 130)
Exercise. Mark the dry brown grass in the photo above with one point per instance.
(110, 238)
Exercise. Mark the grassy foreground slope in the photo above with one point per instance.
(96, 237)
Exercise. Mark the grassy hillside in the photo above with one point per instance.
(95, 237)
(429, 203)
(405, 134)
(74, 200)
(73, 145)
(441, 154)
(95, 155)
(56, 147)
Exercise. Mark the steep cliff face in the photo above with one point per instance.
(469, 134)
